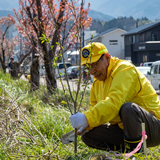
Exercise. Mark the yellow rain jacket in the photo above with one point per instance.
(124, 84)
(29, 78)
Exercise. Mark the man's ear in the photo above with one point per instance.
(107, 56)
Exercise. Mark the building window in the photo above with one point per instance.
(145, 58)
(128, 58)
(154, 37)
(113, 42)
(133, 39)
(142, 38)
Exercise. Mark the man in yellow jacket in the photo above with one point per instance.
(120, 95)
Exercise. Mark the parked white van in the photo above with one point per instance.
(146, 64)
(154, 75)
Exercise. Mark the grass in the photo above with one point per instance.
(50, 118)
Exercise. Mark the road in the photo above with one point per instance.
(72, 82)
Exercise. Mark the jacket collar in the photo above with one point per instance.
(111, 65)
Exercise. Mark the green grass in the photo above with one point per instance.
(50, 118)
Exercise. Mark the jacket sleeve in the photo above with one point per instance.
(93, 100)
(125, 85)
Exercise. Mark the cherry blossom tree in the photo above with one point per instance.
(46, 22)
(6, 45)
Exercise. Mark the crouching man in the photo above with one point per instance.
(120, 95)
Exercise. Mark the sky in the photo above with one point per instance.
(114, 8)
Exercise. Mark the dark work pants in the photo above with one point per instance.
(111, 137)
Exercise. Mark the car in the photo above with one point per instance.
(92, 79)
(130, 61)
(144, 70)
(87, 75)
(146, 64)
(59, 71)
(154, 75)
(82, 71)
(73, 72)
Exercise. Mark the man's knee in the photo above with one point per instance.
(88, 141)
(125, 109)
(83, 137)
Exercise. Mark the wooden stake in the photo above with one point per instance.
(144, 140)
(75, 143)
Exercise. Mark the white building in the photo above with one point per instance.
(112, 39)
(73, 56)
(88, 34)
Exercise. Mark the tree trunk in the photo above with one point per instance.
(3, 67)
(2, 61)
(50, 78)
(34, 71)
(14, 70)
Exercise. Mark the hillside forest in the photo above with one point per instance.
(125, 23)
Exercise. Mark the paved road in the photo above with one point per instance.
(72, 82)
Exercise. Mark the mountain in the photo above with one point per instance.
(136, 8)
(93, 14)
(123, 23)
(7, 6)
(4, 13)
(146, 8)
(99, 16)
(113, 8)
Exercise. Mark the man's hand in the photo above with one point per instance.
(79, 120)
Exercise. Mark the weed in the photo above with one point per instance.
(50, 119)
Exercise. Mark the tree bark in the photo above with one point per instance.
(34, 71)
(50, 78)
(14, 70)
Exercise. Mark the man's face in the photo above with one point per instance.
(99, 68)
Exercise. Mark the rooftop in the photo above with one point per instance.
(141, 28)
(103, 33)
